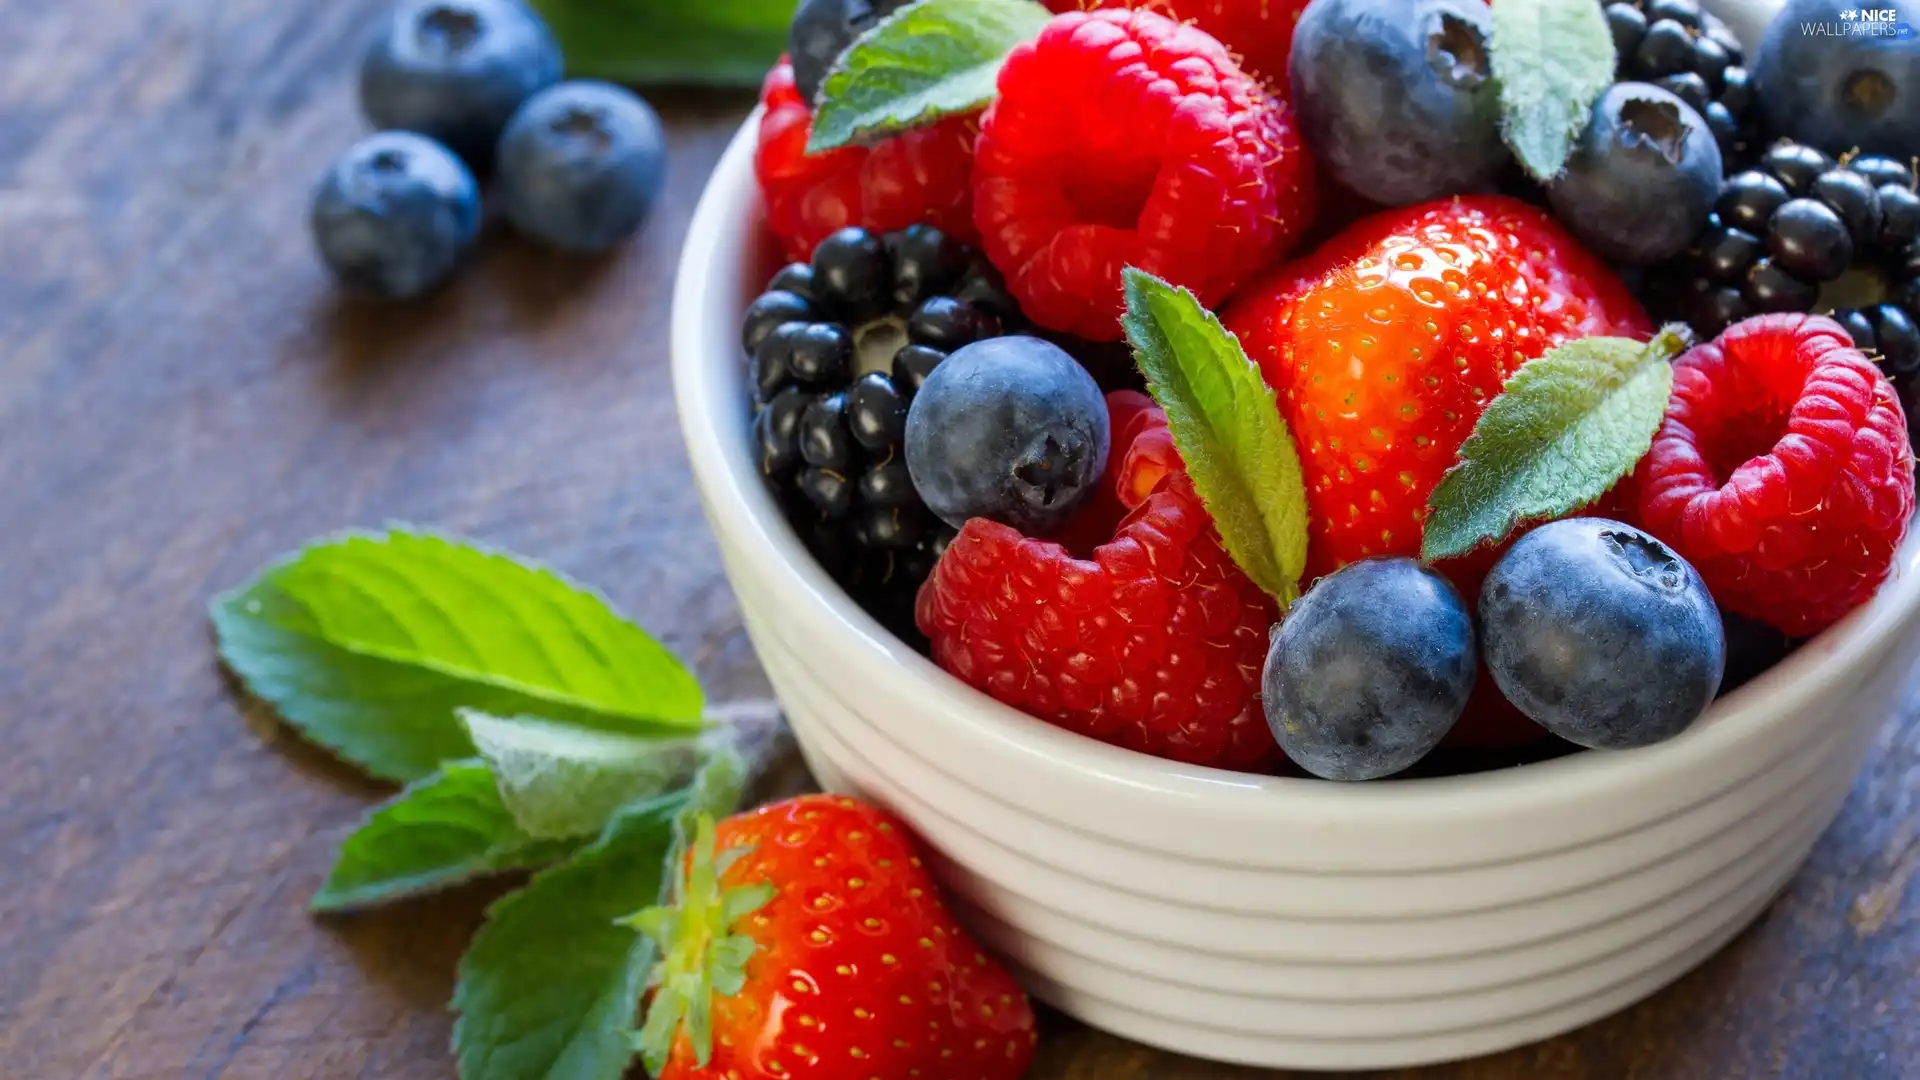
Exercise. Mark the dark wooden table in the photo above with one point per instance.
(183, 396)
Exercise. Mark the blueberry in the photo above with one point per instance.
(1851, 195)
(1642, 178)
(394, 214)
(911, 366)
(926, 262)
(822, 29)
(1880, 171)
(1397, 98)
(1842, 90)
(581, 164)
(1667, 49)
(1601, 634)
(1010, 428)
(1748, 199)
(1795, 165)
(455, 70)
(1809, 241)
(770, 310)
(851, 274)
(1770, 287)
(1727, 254)
(1369, 669)
(946, 324)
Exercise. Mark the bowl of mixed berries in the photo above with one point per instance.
(1359, 532)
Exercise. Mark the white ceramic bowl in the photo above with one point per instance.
(1269, 921)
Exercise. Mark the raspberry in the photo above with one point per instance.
(1782, 471)
(1259, 33)
(1122, 138)
(916, 176)
(1154, 644)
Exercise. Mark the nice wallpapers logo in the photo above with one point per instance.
(1861, 22)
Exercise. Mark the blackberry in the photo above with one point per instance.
(1686, 51)
(839, 346)
(1803, 232)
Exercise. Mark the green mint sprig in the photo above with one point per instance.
(1552, 59)
(536, 728)
(926, 61)
(1227, 427)
(1564, 429)
(369, 643)
(683, 42)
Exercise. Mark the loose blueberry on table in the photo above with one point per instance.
(1327, 544)
(455, 70)
(395, 214)
(581, 164)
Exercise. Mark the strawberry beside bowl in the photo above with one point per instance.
(1278, 921)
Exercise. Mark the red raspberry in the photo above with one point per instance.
(918, 175)
(1122, 138)
(1155, 643)
(1782, 471)
(1259, 32)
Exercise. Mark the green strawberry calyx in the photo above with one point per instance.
(700, 953)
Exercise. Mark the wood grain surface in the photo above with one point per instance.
(183, 397)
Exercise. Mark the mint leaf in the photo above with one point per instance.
(368, 642)
(550, 988)
(1565, 428)
(1552, 59)
(928, 60)
(1228, 430)
(439, 832)
(690, 42)
(559, 781)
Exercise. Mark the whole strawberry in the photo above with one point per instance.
(1384, 346)
(807, 942)
(917, 176)
(1258, 32)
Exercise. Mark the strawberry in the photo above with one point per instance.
(1385, 344)
(807, 942)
